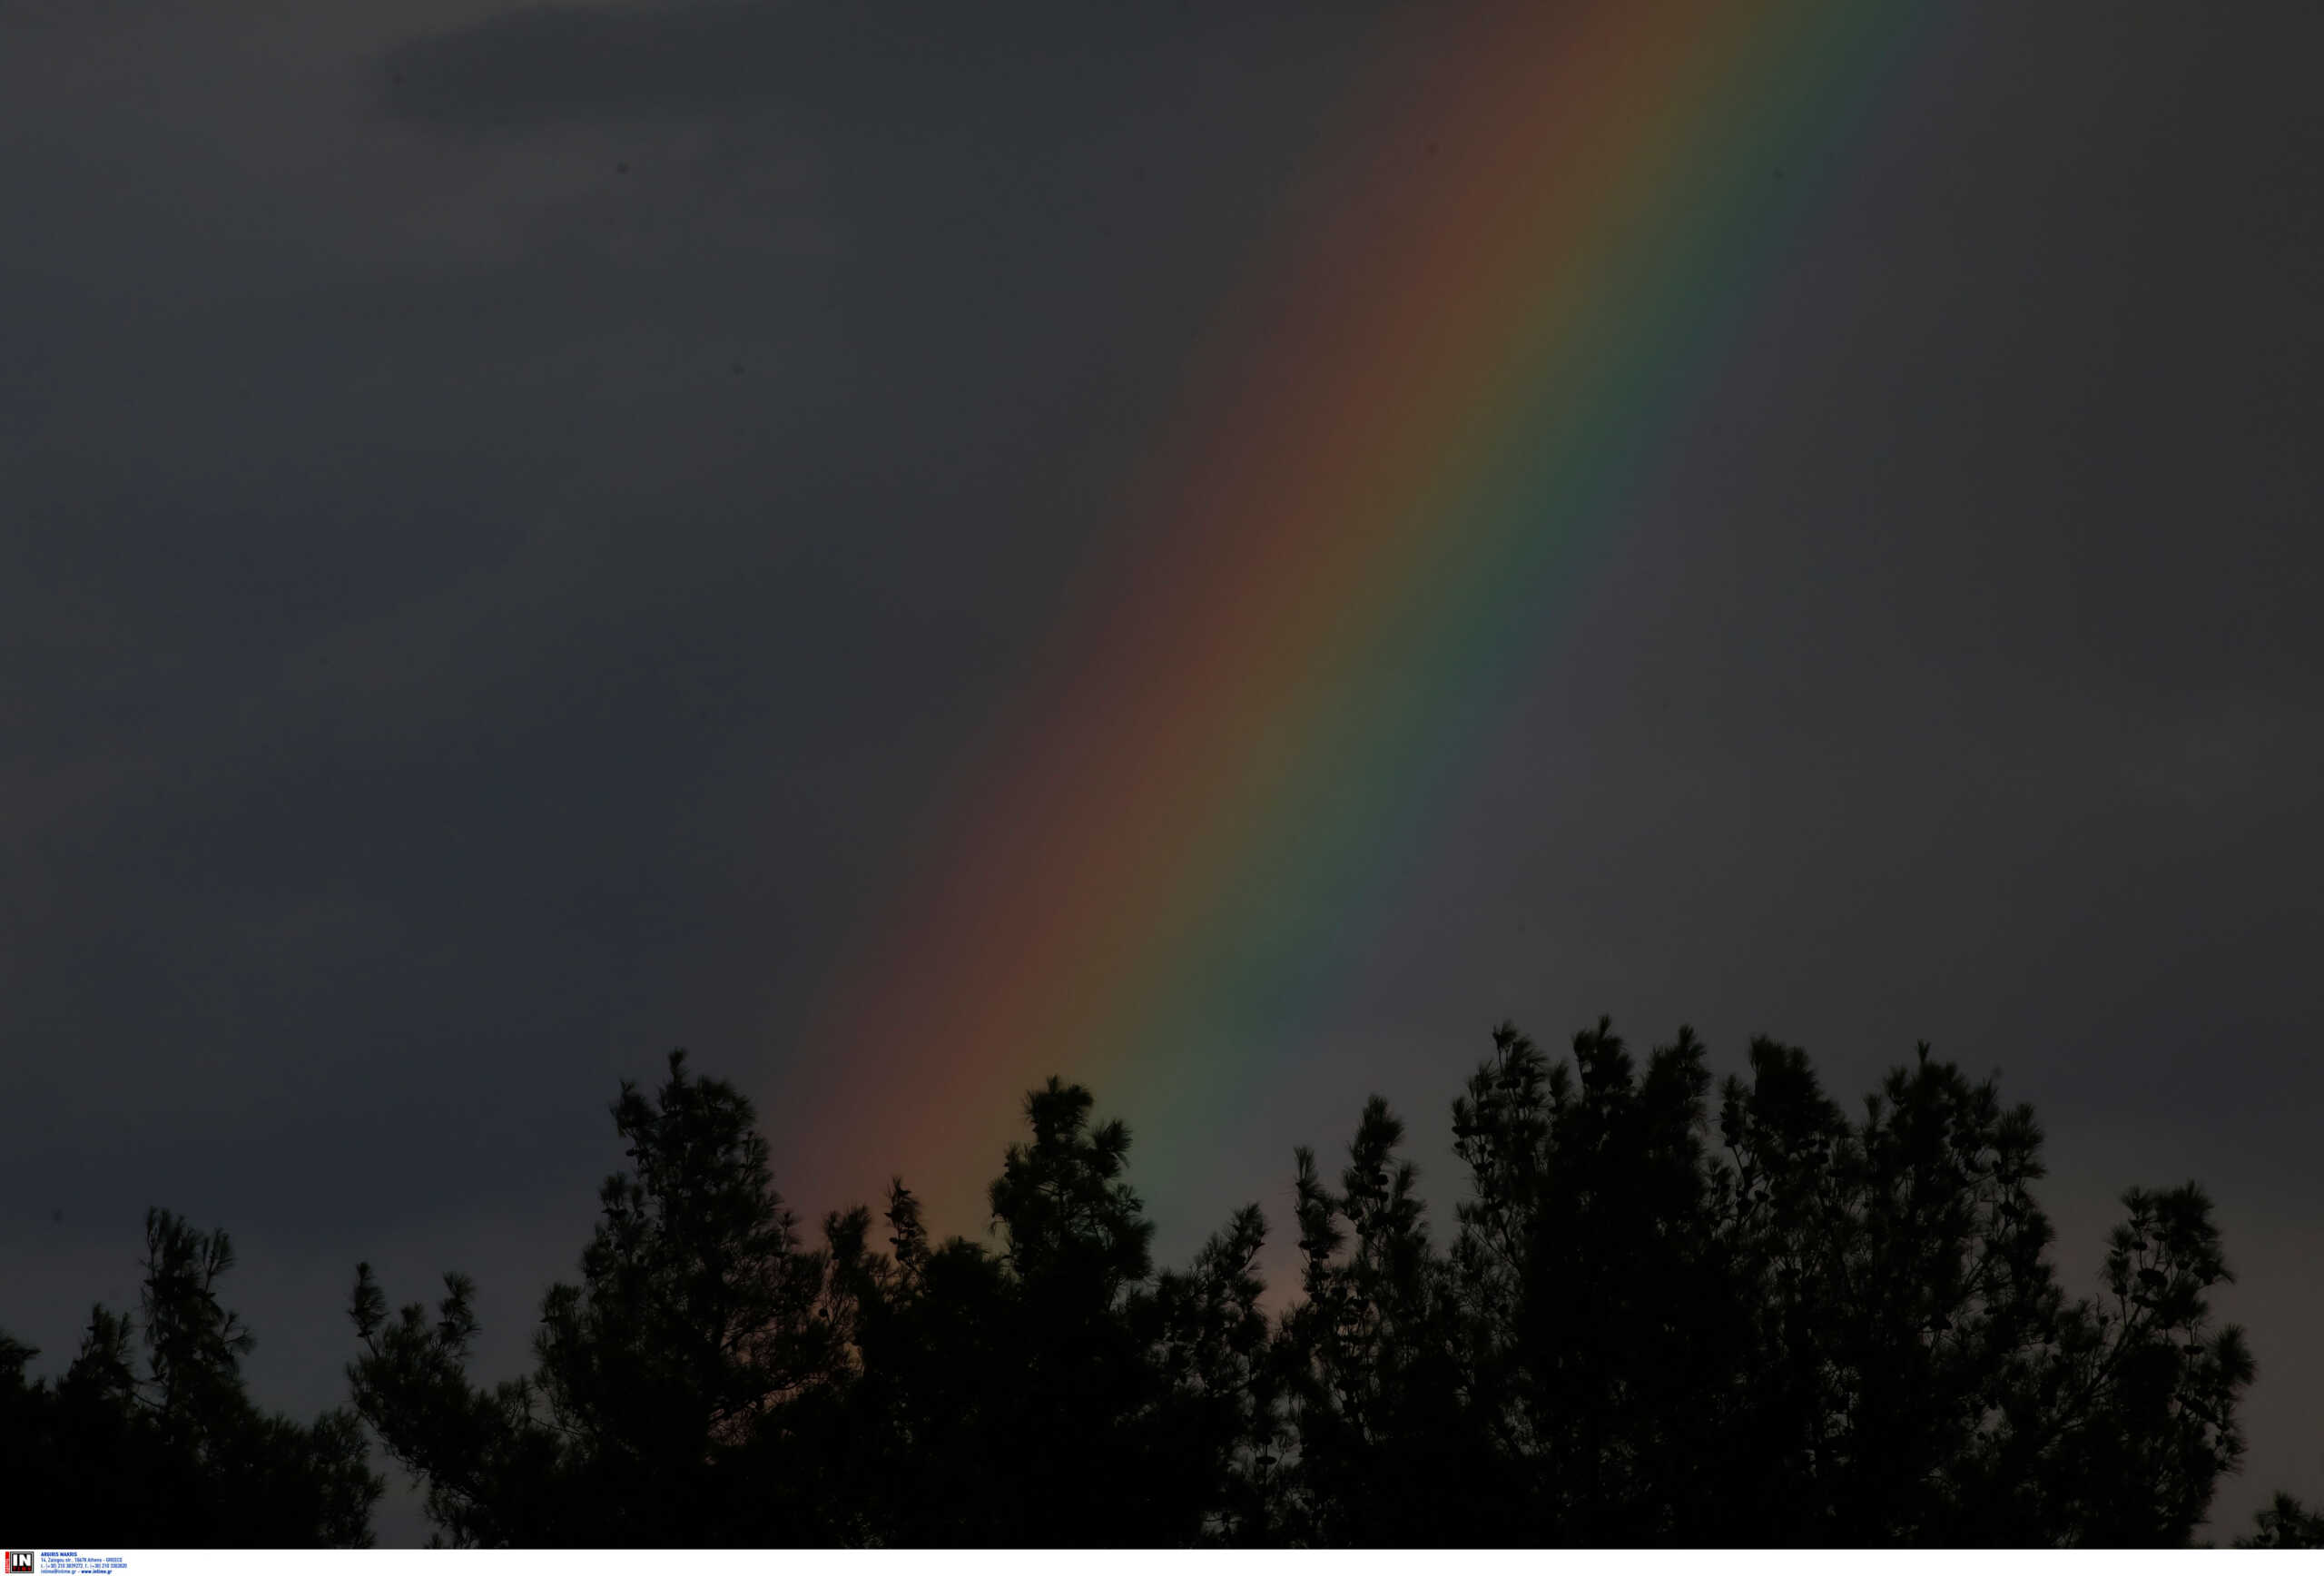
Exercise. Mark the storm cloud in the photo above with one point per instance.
(508, 517)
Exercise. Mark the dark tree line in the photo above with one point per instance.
(1660, 1319)
(169, 1452)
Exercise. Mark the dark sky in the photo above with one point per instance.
(504, 512)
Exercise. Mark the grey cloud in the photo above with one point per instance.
(435, 681)
(550, 63)
(576, 63)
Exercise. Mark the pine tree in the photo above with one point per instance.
(660, 1377)
(175, 1454)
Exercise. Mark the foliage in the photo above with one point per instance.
(1818, 1331)
(2286, 1523)
(173, 1455)
(1659, 1318)
(662, 1378)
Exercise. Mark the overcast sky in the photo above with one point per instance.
(505, 511)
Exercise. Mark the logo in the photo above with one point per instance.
(20, 1560)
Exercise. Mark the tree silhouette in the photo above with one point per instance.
(1823, 1331)
(698, 1315)
(1835, 1332)
(919, 1447)
(1224, 1426)
(2285, 1523)
(1603, 1322)
(646, 1423)
(1055, 1392)
(176, 1455)
(1783, 1328)
(1379, 1411)
(1788, 1326)
(710, 1382)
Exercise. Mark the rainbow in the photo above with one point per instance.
(1426, 402)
